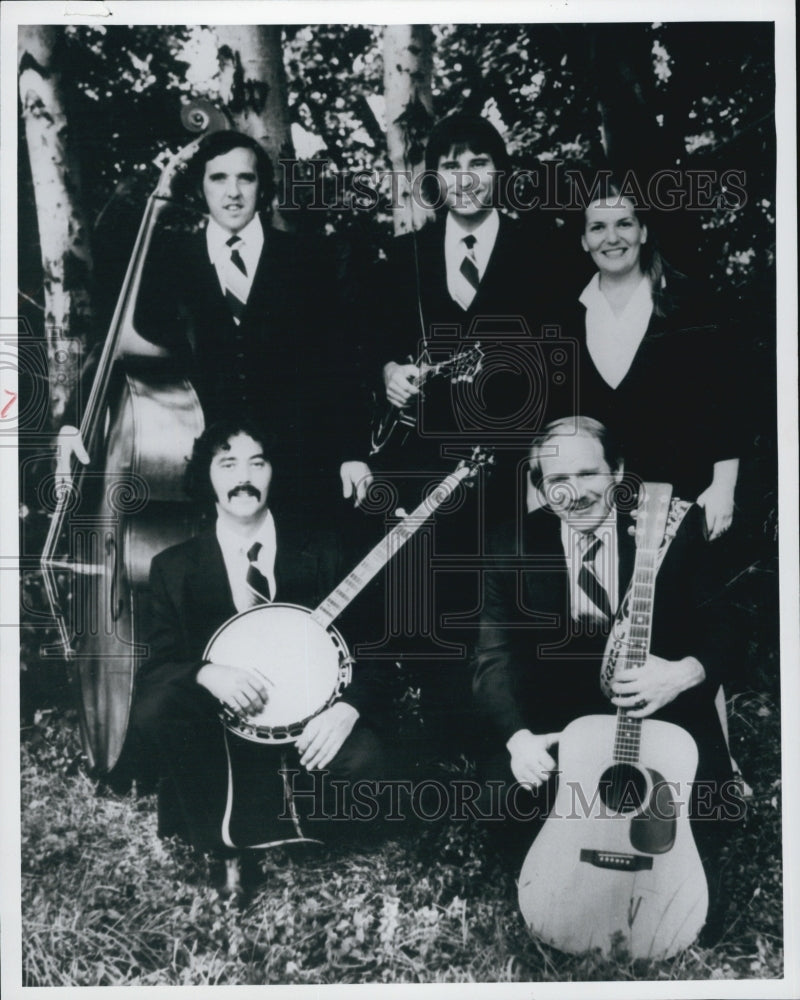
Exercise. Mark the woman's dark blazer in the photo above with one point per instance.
(679, 408)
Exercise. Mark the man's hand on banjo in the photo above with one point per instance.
(324, 735)
(241, 690)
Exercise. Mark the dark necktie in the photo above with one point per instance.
(469, 265)
(256, 581)
(588, 582)
(236, 257)
(234, 287)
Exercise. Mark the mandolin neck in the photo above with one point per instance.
(341, 596)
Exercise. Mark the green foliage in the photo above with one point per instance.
(126, 85)
(331, 71)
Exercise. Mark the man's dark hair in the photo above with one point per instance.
(220, 143)
(460, 133)
(214, 439)
(466, 132)
(572, 427)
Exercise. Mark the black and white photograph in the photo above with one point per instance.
(398, 427)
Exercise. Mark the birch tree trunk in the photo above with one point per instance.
(66, 255)
(253, 86)
(407, 71)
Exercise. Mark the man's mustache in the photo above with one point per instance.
(246, 488)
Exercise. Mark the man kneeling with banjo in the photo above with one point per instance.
(224, 787)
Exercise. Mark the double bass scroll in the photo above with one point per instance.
(117, 512)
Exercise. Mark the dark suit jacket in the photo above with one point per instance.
(679, 408)
(534, 671)
(190, 598)
(281, 364)
(273, 363)
(503, 406)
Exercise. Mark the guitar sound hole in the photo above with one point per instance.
(623, 788)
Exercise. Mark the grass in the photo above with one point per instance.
(105, 902)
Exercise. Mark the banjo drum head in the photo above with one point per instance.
(300, 661)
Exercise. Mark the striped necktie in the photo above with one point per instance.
(588, 582)
(257, 583)
(235, 280)
(469, 265)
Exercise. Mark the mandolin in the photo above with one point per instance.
(615, 862)
(395, 422)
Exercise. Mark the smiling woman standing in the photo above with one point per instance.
(655, 366)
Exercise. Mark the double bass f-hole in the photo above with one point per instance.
(115, 601)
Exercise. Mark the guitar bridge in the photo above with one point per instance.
(617, 861)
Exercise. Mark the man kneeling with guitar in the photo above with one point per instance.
(556, 602)
(216, 790)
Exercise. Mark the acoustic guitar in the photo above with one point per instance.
(615, 863)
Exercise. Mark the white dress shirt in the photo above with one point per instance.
(613, 340)
(605, 565)
(250, 245)
(234, 552)
(455, 249)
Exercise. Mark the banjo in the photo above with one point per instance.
(301, 656)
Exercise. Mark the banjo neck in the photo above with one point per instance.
(352, 585)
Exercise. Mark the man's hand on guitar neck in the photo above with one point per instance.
(644, 690)
(400, 382)
(531, 764)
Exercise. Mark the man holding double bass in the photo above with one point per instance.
(550, 600)
(250, 313)
(251, 556)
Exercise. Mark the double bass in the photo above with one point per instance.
(141, 418)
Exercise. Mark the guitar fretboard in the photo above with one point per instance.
(649, 532)
(629, 730)
(341, 596)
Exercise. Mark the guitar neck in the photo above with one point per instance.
(628, 734)
(651, 521)
(341, 596)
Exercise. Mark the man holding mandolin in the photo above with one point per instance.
(563, 638)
